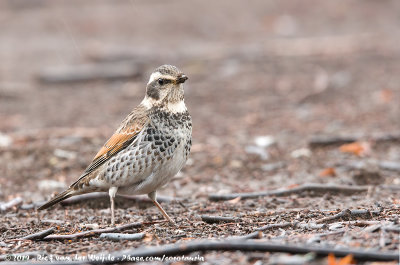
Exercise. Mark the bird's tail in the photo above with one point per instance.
(60, 197)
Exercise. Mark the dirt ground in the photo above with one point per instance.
(265, 78)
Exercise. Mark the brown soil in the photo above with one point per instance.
(270, 68)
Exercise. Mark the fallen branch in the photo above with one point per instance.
(39, 235)
(361, 223)
(120, 236)
(31, 206)
(217, 219)
(94, 232)
(254, 235)
(10, 204)
(328, 140)
(316, 188)
(89, 72)
(250, 245)
(273, 226)
(51, 221)
(310, 225)
(392, 228)
(389, 165)
(347, 214)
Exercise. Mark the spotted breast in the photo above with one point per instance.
(157, 154)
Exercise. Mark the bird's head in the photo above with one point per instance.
(165, 88)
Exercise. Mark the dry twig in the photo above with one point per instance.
(316, 188)
(10, 204)
(254, 235)
(120, 236)
(94, 232)
(347, 213)
(217, 219)
(39, 235)
(327, 140)
(273, 226)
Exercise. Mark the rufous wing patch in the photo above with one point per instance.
(116, 142)
(122, 138)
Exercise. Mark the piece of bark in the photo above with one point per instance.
(121, 236)
(275, 226)
(217, 219)
(328, 140)
(347, 214)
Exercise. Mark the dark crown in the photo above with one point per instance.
(169, 70)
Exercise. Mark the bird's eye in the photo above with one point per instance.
(161, 81)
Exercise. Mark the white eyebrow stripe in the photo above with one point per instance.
(157, 75)
(154, 76)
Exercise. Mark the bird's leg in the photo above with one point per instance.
(152, 196)
(112, 191)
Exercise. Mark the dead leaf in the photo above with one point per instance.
(328, 172)
(356, 148)
(346, 260)
(386, 95)
(148, 237)
(343, 261)
(292, 186)
(188, 238)
(396, 201)
(234, 201)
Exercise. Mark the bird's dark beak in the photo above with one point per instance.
(181, 79)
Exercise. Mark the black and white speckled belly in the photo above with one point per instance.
(157, 154)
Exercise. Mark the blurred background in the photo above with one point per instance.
(281, 93)
(263, 78)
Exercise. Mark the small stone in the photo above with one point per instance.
(236, 164)
(272, 166)
(51, 185)
(264, 141)
(335, 226)
(5, 140)
(251, 149)
(90, 226)
(64, 154)
(302, 152)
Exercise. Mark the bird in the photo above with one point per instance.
(151, 145)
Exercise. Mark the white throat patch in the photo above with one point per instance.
(147, 102)
(177, 107)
